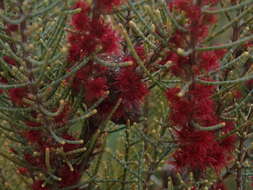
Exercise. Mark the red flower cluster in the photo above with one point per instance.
(39, 141)
(11, 27)
(193, 105)
(94, 80)
(197, 23)
(130, 87)
(16, 95)
(198, 149)
(108, 5)
(90, 33)
(9, 60)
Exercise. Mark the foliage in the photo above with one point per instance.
(124, 94)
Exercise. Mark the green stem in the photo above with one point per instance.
(210, 128)
(238, 6)
(228, 25)
(138, 59)
(243, 79)
(228, 45)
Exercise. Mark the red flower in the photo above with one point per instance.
(68, 177)
(95, 88)
(81, 20)
(105, 36)
(180, 66)
(9, 60)
(209, 61)
(108, 5)
(23, 171)
(110, 42)
(217, 158)
(228, 143)
(249, 84)
(17, 94)
(12, 27)
(33, 136)
(90, 34)
(130, 87)
(86, 73)
(171, 56)
(178, 39)
(199, 150)
(32, 124)
(181, 108)
(140, 51)
(37, 161)
(203, 109)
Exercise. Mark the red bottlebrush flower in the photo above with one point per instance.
(178, 39)
(172, 57)
(17, 94)
(32, 124)
(33, 136)
(172, 94)
(9, 60)
(180, 4)
(200, 91)
(249, 84)
(203, 109)
(193, 13)
(38, 160)
(217, 158)
(220, 53)
(11, 150)
(209, 61)
(84, 74)
(110, 42)
(209, 19)
(95, 88)
(140, 51)
(74, 52)
(203, 138)
(38, 185)
(23, 171)
(199, 150)
(130, 87)
(90, 34)
(108, 5)
(11, 27)
(81, 20)
(105, 36)
(181, 108)
(228, 143)
(68, 177)
(179, 67)
(199, 31)
(80, 79)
